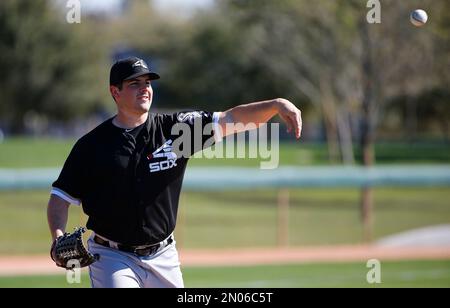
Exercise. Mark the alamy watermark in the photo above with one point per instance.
(73, 274)
(196, 141)
(374, 274)
(74, 13)
(374, 14)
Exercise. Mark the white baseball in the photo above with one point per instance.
(418, 17)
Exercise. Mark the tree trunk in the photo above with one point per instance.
(345, 137)
(411, 119)
(367, 126)
(330, 120)
(366, 213)
(332, 137)
(17, 125)
(283, 218)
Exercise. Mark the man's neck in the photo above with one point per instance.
(126, 121)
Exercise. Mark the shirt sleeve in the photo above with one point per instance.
(70, 183)
(192, 131)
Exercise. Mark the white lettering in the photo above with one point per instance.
(197, 298)
(73, 275)
(258, 143)
(374, 14)
(74, 14)
(374, 275)
(274, 152)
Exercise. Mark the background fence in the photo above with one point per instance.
(232, 178)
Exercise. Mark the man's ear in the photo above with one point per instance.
(114, 92)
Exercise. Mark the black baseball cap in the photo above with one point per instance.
(129, 68)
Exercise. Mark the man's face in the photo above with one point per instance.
(136, 95)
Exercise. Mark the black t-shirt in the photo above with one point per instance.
(129, 182)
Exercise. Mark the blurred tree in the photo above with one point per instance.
(433, 108)
(307, 55)
(321, 54)
(415, 73)
(214, 67)
(347, 67)
(49, 67)
(397, 59)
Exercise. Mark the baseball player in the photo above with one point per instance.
(127, 175)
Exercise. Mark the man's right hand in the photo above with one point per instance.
(57, 215)
(53, 252)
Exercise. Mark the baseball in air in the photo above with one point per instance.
(418, 18)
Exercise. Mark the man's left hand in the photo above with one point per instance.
(291, 115)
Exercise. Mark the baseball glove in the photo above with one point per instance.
(69, 247)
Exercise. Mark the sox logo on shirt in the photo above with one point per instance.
(165, 152)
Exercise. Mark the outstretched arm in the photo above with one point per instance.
(259, 113)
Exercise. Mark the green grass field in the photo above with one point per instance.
(33, 152)
(247, 218)
(349, 275)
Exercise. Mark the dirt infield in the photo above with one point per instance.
(34, 265)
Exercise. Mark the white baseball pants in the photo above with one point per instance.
(118, 269)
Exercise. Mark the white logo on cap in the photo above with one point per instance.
(140, 63)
